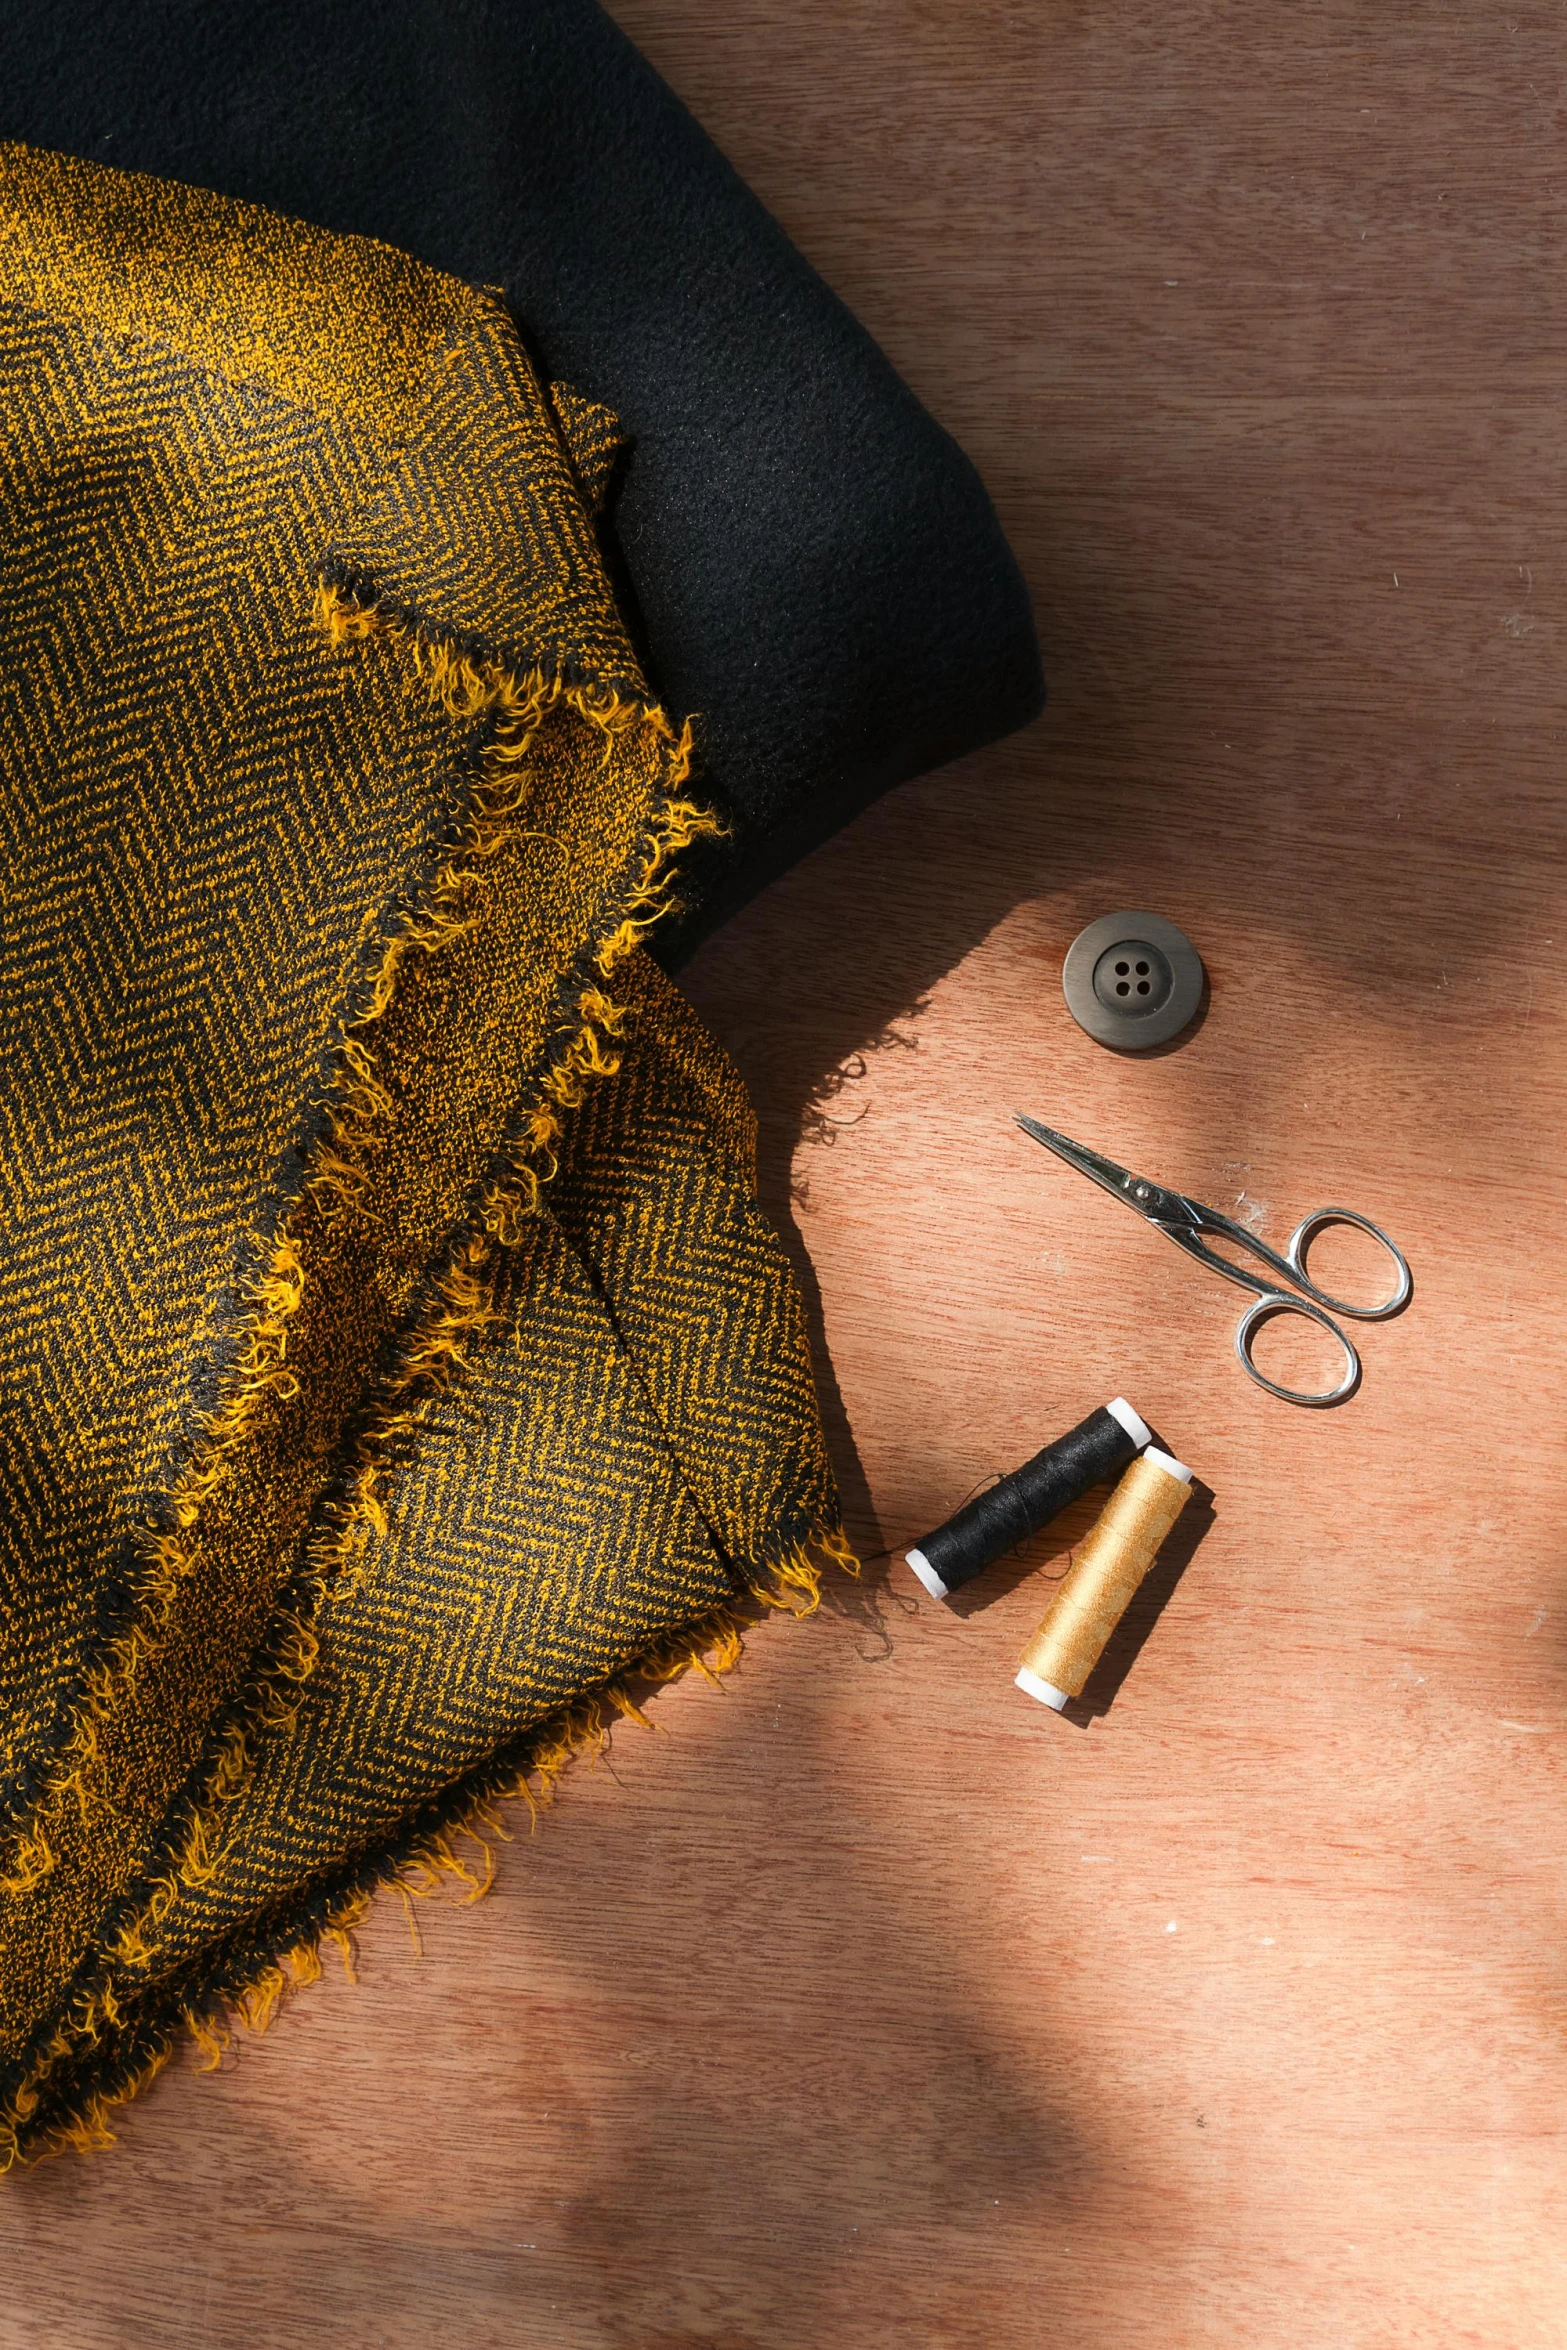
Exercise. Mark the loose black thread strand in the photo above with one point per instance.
(898, 1550)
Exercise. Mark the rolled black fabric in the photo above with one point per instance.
(814, 566)
(1006, 1514)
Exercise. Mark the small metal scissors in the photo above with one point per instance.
(1185, 1221)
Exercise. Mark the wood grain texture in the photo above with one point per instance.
(868, 2004)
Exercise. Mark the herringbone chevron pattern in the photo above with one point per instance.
(392, 1355)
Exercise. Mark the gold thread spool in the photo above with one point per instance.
(1098, 1585)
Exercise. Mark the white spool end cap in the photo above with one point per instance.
(926, 1573)
(1135, 1425)
(1170, 1465)
(1046, 1691)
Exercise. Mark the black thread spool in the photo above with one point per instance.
(997, 1520)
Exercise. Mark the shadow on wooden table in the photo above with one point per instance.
(807, 986)
(612, 2143)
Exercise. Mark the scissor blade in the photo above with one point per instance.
(1093, 1164)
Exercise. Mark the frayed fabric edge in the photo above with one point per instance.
(431, 1864)
(513, 706)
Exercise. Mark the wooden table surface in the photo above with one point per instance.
(868, 2004)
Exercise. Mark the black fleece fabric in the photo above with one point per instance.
(811, 563)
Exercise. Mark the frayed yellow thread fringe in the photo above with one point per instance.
(793, 1583)
(88, 2131)
(360, 1103)
(211, 2040)
(31, 1861)
(414, 1936)
(304, 1965)
(461, 1312)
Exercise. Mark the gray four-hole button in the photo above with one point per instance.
(1132, 981)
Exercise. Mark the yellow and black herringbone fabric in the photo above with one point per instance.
(392, 1354)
